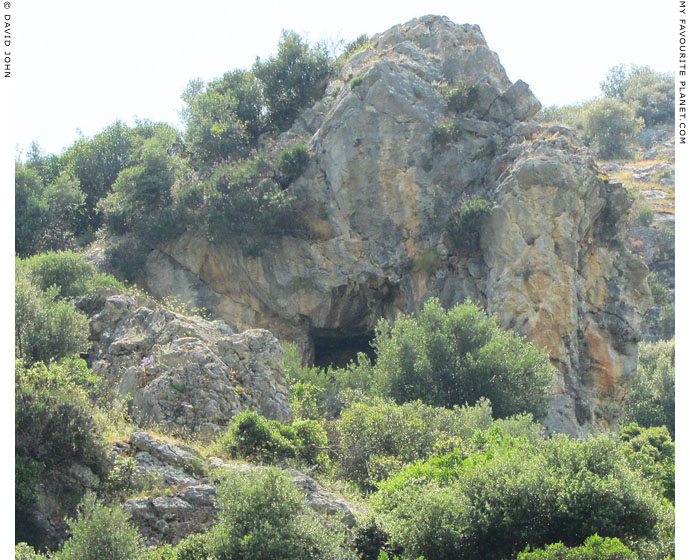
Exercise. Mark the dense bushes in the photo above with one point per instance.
(224, 119)
(54, 429)
(377, 438)
(101, 531)
(456, 357)
(46, 215)
(594, 548)
(649, 93)
(251, 436)
(264, 516)
(47, 326)
(492, 504)
(609, 127)
(652, 400)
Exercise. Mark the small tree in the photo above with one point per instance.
(610, 126)
(292, 79)
(652, 398)
(102, 532)
(457, 357)
(263, 516)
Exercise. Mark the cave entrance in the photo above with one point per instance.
(337, 348)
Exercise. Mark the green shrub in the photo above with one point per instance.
(645, 216)
(354, 82)
(610, 126)
(355, 46)
(102, 532)
(444, 133)
(251, 436)
(54, 430)
(667, 321)
(378, 437)
(141, 201)
(45, 328)
(515, 493)
(651, 451)
(459, 96)
(464, 225)
(214, 131)
(46, 215)
(659, 291)
(23, 551)
(291, 164)
(264, 516)
(456, 357)
(292, 79)
(243, 199)
(68, 271)
(651, 400)
(649, 93)
(594, 548)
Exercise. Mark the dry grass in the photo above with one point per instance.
(637, 188)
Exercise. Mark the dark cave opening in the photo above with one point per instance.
(336, 348)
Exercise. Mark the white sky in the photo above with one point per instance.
(80, 64)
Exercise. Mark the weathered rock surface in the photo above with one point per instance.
(552, 263)
(189, 506)
(183, 372)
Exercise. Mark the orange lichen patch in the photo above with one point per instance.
(605, 362)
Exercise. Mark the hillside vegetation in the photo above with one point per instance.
(429, 447)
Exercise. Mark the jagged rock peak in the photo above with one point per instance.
(391, 160)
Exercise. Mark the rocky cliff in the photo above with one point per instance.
(380, 189)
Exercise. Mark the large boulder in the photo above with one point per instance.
(183, 372)
(379, 191)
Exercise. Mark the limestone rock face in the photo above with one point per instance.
(379, 190)
(184, 372)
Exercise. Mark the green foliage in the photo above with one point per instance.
(45, 327)
(444, 133)
(354, 82)
(214, 131)
(68, 271)
(264, 516)
(291, 163)
(645, 216)
(658, 289)
(245, 200)
(102, 532)
(459, 96)
(54, 422)
(378, 437)
(651, 401)
(251, 436)
(140, 202)
(464, 225)
(651, 451)
(515, 493)
(23, 551)
(650, 93)
(96, 162)
(594, 548)
(667, 321)
(46, 216)
(355, 46)
(569, 115)
(54, 429)
(292, 79)
(610, 126)
(459, 356)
